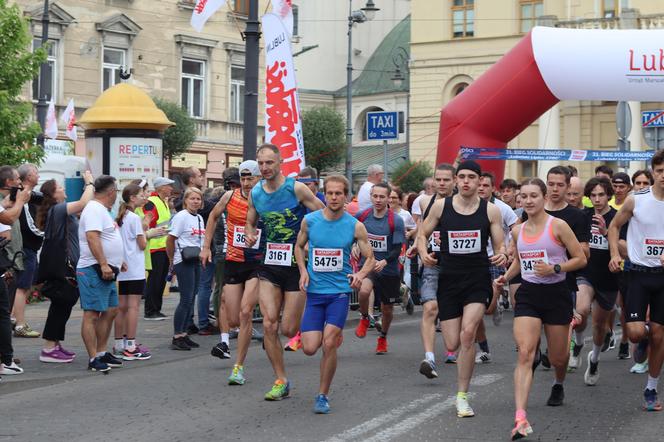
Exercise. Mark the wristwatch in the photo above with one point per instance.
(557, 268)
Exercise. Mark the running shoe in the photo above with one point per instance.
(280, 390)
(544, 359)
(142, 348)
(607, 341)
(256, 335)
(361, 329)
(209, 330)
(623, 350)
(591, 376)
(65, 351)
(482, 357)
(612, 342)
(575, 360)
(428, 369)
(221, 351)
(294, 344)
(111, 360)
(381, 345)
(557, 396)
(24, 331)
(117, 352)
(189, 342)
(54, 356)
(10, 369)
(180, 344)
(321, 406)
(135, 355)
(641, 351)
(463, 408)
(97, 365)
(154, 317)
(498, 315)
(192, 330)
(521, 429)
(639, 368)
(237, 375)
(651, 401)
(451, 358)
(378, 325)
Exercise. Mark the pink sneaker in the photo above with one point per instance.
(55, 356)
(142, 348)
(65, 351)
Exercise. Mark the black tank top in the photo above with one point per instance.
(464, 239)
(436, 233)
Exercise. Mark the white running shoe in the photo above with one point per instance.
(463, 408)
(639, 368)
(591, 376)
(482, 357)
(10, 369)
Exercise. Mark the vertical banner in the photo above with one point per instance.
(203, 10)
(284, 9)
(283, 126)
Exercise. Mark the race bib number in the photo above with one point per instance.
(653, 248)
(529, 259)
(599, 241)
(378, 242)
(279, 254)
(462, 242)
(434, 241)
(328, 260)
(238, 238)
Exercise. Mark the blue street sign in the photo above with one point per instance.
(652, 118)
(382, 125)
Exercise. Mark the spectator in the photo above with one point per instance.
(375, 175)
(309, 176)
(395, 205)
(429, 186)
(508, 190)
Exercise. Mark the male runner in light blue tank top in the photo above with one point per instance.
(328, 278)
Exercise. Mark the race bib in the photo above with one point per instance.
(378, 242)
(278, 254)
(328, 260)
(238, 238)
(599, 241)
(434, 241)
(462, 242)
(529, 259)
(653, 248)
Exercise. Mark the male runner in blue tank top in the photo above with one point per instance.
(328, 279)
(281, 203)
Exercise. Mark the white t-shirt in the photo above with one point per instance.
(408, 221)
(134, 257)
(188, 230)
(3, 227)
(95, 217)
(509, 219)
(416, 209)
(364, 196)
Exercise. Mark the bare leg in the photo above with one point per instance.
(270, 298)
(328, 363)
(89, 332)
(120, 323)
(103, 329)
(656, 355)
(292, 315)
(364, 294)
(131, 319)
(19, 306)
(472, 316)
(428, 325)
(526, 334)
(387, 310)
(249, 301)
(558, 345)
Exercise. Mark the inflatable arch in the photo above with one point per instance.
(546, 66)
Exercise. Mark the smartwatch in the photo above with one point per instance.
(557, 268)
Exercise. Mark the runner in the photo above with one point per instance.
(386, 236)
(542, 244)
(281, 204)
(465, 222)
(240, 291)
(645, 249)
(328, 279)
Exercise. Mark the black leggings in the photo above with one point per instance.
(63, 298)
(6, 349)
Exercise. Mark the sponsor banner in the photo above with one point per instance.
(284, 9)
(203, 10)
(283, 125)
(132, 158)
(590, 64)
(536, 154)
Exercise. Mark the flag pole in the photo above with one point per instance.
(251, 37)
(44, 87)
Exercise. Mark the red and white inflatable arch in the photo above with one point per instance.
(546, 66)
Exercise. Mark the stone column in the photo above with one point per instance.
(549, 137)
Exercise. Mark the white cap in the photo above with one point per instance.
(251, 166)
(162, 181)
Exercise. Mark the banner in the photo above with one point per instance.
(68, 118)
(496, 153)
(283, 126)
(51, 124)
(203, 11)
(133, 157)
(284, 9)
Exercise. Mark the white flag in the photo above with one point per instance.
(203, 11)
(68, 118)
(284, 9)
(51, 124)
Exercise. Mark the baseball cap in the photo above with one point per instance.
(621, 178)
(162, 181)
(251, 166)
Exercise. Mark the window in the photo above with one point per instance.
(114, 61)
(296, 20)
(527, 169)
(458, 89)
(529, 10)
(193, 86)
(52, 70)
(237, 93)
(463, 18)
(241, 7)
(611, 8)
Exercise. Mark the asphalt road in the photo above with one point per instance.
(182, 396)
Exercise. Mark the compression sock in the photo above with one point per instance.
(484, 346)
(429, 356)
(652, 383)
(594, 354)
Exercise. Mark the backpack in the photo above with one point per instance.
(390, 218)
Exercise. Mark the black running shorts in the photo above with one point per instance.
(456, 290)
(551, 303)
(286, 278)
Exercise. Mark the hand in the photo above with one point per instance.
(498, 260)
(615, 264)
(380, 265)
(356, 280)
(106, 272)
(23, 196)
(9, 276)
(250, 239)
(304, 281)
(600, 224)
(123, 267)
(500, 281)
(429, 259)
(205, 256)
(543, 269)
(411, 252)
(87, 177)
(437, 241)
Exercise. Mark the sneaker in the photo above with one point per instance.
(544, 358)
(97, 365)
(639, 368)
(256, 335)
(607, 341)
(10, 369)
(575, 360)
(189, 342)
(54, 356)
(623, 350)
(117, 352)
(142, 348)
(381, 345)
(24, 331)
(209, 330)
(321, 406)
(237, 376)
(154, 317)
(498, 315)
(591, 376)
(135, 355)
(463, 408)
(65, 351)
(180, 344)
(280, 390)
(482, 357)
(161, 315)
(294, 344)
(192, 330)
(111, 360)
(221, 351)
(612, 342)
(410, 307)
(372, 322)
(641, 351)
(428, 369)
(521, 429)
(361, 329)
(451, 358)
(378, 325)
(557, 396)
(652, 404)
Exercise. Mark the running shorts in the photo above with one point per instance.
(644, 290)
(456, 290)
(286, 278)
(240, 272)
(551, 303)
(323, 309)
(386, 288)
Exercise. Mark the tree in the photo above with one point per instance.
(18, 65)
(323, 132)
(178, 138)
(409, 175)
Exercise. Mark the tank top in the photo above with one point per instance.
(282, 214)
(330, 244)
(432, 246)
(236, 219)
(645, 234)
(544, 247)
(463, 239)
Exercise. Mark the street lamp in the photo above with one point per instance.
(365, 14)
(401, 61)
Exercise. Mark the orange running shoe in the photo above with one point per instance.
(361, 330)
(521, 429)
(295, 343)
(381, 346)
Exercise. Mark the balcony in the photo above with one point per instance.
(652, 21)
(590, 23)
(219, 131)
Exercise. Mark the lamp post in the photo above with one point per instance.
(365, 14)
(401, 60)
(44, 87)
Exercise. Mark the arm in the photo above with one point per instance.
(300, 255)
(515, 267)
(215, 214)
(566, 236)
(170, 248)
(94, 242)
(425, 230)
(622, 217)
(88, 192)
(11, 214)
(499, 257)
(307, 198)
(250, 226)
(366, 252)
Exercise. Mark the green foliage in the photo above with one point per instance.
(323, 130)
(178, 138)
(18, 65)
(409, 175)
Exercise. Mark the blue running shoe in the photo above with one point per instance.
(651, 402)
(322, 406)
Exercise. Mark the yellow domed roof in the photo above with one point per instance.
(124, 106)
